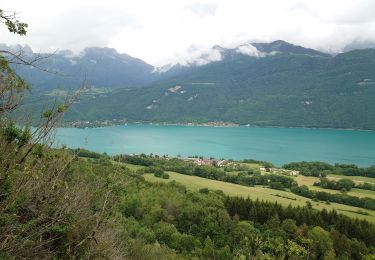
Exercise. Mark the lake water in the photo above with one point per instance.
(276, 145)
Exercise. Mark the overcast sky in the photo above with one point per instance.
(162, 31)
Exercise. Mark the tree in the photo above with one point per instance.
(36, 206)
(345, 184)
(321, 242)
(11, 85)
(276, 185)
(208, 249)
(12, 23)
(295, 251)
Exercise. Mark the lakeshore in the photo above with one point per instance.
(276, 145)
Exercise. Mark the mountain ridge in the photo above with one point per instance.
(289, 86)
(138, 73)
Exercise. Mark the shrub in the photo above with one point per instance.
(276, 185)
(165, 175)
(204, 190)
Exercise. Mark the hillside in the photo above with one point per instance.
(284, 89)
(97, 67)
(261, 84)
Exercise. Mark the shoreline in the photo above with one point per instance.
(109, 123)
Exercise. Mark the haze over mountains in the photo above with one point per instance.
(268, 84)
(106, 68)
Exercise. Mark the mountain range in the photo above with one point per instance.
(262, 84)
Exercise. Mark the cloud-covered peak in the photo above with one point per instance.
(198, 57)
(100, 52)
(250, 50)
(281, 46)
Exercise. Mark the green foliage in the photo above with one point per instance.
(342, 184)
(208, 251)
(158, 172)
(280, 90)
(204, 190)
(55, 204)
(249, 178)
(167, 221)
(322, 243)
(88, 154)
(14, 134)
(48, 113)
(12, 23)
(321, 169)
(367, 203)
(276, 185)
(165, 175)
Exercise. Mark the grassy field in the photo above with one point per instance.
(133, 167)
(309, 181)
(283, 197)
(354, 192)
(306, 180)
(359, 179)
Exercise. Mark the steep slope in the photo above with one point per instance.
(98, 67)
(283, 89)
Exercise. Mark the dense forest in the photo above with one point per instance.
(98, 207)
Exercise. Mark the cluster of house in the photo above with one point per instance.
(202, 161)
(292, 173)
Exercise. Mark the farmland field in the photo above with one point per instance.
(358, 179)
(283, 197)
(309, 181)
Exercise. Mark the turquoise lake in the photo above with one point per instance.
(276, 145)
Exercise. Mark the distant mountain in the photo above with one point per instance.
(359, 45)
(285, 47)
(98, 67)
(284, 89)
(252, 49)
(106, 68)
(264, 84)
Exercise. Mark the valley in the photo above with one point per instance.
(245, 131)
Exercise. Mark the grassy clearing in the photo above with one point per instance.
(354, 192)
(309, 181)
(306, 180)
(283, 197)
(359, 179)
(133, 167)
(255, 166)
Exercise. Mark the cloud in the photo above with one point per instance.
(250, 50)
(202, 9)
(163, 31)
(198, 55)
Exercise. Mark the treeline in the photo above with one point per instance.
(304, 191)
(262, 211)
(246, 178)
(209, 225)
(264, 163)
(249, 177)
(88, 154)
(321, 169)
(343, 184)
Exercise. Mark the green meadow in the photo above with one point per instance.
(258, 192)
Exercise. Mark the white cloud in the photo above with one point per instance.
(250, 50)
(202, 9)
(163, 31)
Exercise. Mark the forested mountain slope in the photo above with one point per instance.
(94, 66)
(265, 84)
(284, 89)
